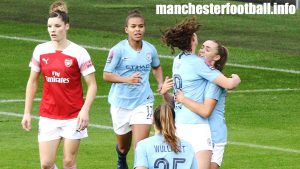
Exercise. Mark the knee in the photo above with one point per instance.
(123, 149)
(47, 165)
(69, 161)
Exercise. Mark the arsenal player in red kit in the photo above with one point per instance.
(63, 111)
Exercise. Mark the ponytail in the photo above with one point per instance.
(164, 119)
(223, 52)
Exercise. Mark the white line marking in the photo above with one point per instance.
(229, 142)
(155, 94)
(264, 147)
(161, 56)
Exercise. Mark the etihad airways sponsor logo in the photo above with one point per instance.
(56, 78)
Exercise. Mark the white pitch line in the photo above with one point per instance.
(264, 147)
(161, 56)
(229, 142)
(155, 94)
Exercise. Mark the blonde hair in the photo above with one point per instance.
(164, 119)
(58, 6)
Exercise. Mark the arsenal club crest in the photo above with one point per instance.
(68, 62)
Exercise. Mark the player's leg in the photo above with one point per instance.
(71, 137)
(214, 165)
(48, 151)
(120, 118)
(141, 122)
(140, 132)
(49, 140)
(217, 155)
(122, 148)
(71, 147)
(203, 159)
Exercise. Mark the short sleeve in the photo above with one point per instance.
(155, 59)
(140, 156)
(112, 60)
(85, 64)
(206, 71)
(212, 91)
(35, 60)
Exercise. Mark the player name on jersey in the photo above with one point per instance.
(166, 148)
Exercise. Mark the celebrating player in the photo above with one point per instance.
(64, 115)
(190, 74)
(127, 67)
(213, 107)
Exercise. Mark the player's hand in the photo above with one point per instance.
(179, 96)
(26, 122)
(167, 85)
(236, 79)
(135, 79)
(82, 120)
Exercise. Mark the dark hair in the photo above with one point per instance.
(60, 14)
(133, 14)
(164, 119)
(180, 35)
(223, 52)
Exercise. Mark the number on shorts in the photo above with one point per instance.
(149, 112)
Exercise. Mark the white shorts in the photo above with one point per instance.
(53, 129)
(217, 153)
(123, 118)
(198, 135)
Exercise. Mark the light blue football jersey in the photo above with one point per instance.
(190, 74)
(155, 153)
(125, 61)
(217, 118)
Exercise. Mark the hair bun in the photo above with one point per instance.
(58, 6)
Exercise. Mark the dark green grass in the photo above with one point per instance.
(262, 118)
(264, 32)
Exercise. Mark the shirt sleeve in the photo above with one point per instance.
(35, 60)
(85, 64)
(213, 91)
(112, 60)
(155, 59)
(206, 71)
(140, 156)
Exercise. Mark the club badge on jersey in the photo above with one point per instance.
(148, 56)
(68, 62)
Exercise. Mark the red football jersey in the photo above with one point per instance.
(62, 96)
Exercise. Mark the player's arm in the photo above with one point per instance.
(141, 168)
(83, 116)
(31, 89)
(167, 85)
(115, 78)
(203, 109)
(158, 74)
(227, 83)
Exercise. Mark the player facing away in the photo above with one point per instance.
(164, 149)
(64, 114)
(191, 74)
(128, 66)
(213, 107)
